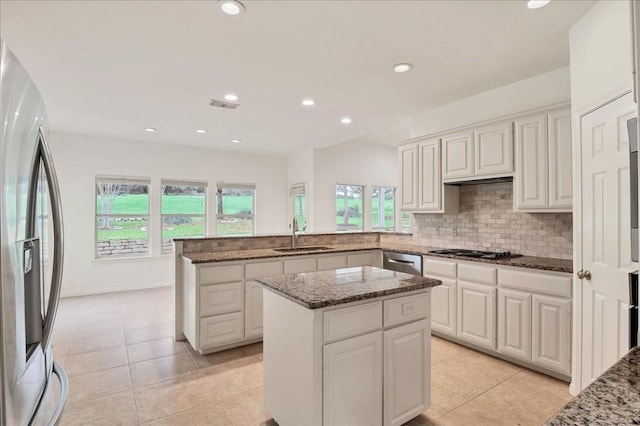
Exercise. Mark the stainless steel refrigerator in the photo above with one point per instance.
(31, 252)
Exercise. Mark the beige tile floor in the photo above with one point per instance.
(125, 369)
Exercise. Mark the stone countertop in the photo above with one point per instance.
(613, 398)
(531, 262)
(315, 290)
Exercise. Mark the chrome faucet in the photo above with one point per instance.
(294, 233)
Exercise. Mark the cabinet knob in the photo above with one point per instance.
(584, 275)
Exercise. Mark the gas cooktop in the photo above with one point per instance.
(477, 253)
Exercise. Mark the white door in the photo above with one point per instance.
(606, 244)
(514, 323)
(408, 177)
(430, 182)
(407, 367)
(494, 149)
(457, 156)
(551, 333)
(477, 313)
(352, 385)
(443, 306)
(253, 310)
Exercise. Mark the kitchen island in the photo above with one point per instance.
(346, 346)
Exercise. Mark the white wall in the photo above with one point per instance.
(349, 163)
(539, 91)
(600, 51)
(78, 159)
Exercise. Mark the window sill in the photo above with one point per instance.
(127, 259)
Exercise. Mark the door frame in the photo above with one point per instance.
(576, 318)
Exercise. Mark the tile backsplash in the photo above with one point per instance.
(486, 221)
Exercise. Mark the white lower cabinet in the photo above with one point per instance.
(552, 332)
(221, 329)
(253, 311)
(443, 306)
(352, 370)
(477, 314)
(407, 372)
(514, 323)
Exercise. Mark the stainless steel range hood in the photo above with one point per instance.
(481, 181)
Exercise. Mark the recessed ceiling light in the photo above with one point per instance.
(231, 97)
(308, 102)
(235, 140)
(537, 4)
(231, 7)
(404, 67)
(149, 129)
(202, 131)
(346, 120)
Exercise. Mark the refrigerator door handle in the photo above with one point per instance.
(58, 249)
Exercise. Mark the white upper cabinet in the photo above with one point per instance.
(457, 156)
(408, 177)
(421, 179)
(493, 147)
(543, 179)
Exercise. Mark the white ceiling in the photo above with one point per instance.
(111, 68)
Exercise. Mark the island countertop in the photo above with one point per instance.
(613, 398)
(315, 290)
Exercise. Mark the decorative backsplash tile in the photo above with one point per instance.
(486, 221)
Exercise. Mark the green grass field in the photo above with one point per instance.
(187, 205)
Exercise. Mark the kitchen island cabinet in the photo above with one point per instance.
(346, 346)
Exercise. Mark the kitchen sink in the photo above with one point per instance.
(301, 249)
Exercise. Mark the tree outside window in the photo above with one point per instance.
(235, 209)
(349, 207)
(183, 211)
(383, 208)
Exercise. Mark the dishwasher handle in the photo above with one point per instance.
(405, 262)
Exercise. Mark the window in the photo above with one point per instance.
(298, 195)
(405, 222)
(183, 211)
(235, 209)
(122, 217)
(349, 207)
(383, 208)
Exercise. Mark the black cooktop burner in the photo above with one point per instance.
(477, 253)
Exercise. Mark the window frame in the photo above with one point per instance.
(176, 182)
(377, 227)
(297, 189)
(125, 180)
(364, 207)
(252, 216)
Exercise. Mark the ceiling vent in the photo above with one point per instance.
(223, 104)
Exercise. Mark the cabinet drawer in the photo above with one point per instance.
(360, 259)
(441, 268)
(297, 266)
(221, 274)
(556, 285)
(346, 322)
(477, 274)
(221, 298)
(406, 309)
(332, 262)
(263, 269)
(221, 329)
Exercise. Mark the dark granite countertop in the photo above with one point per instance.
(612, 399)
(315, 290)
(531, 262)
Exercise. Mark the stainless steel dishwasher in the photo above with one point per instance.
(401, 262)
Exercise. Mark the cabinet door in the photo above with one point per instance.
(477, 314)
(530, 187)
(352, 377)
(253, 310)
(443, 307)
(221, 298)
(409, 177)
(407, 366)
(457, 156)
(560, 170)
(221, 329)
(367, 258)
(430, 181)
(551, 333)
(493, 147)
(332, 262)
(514, 323)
